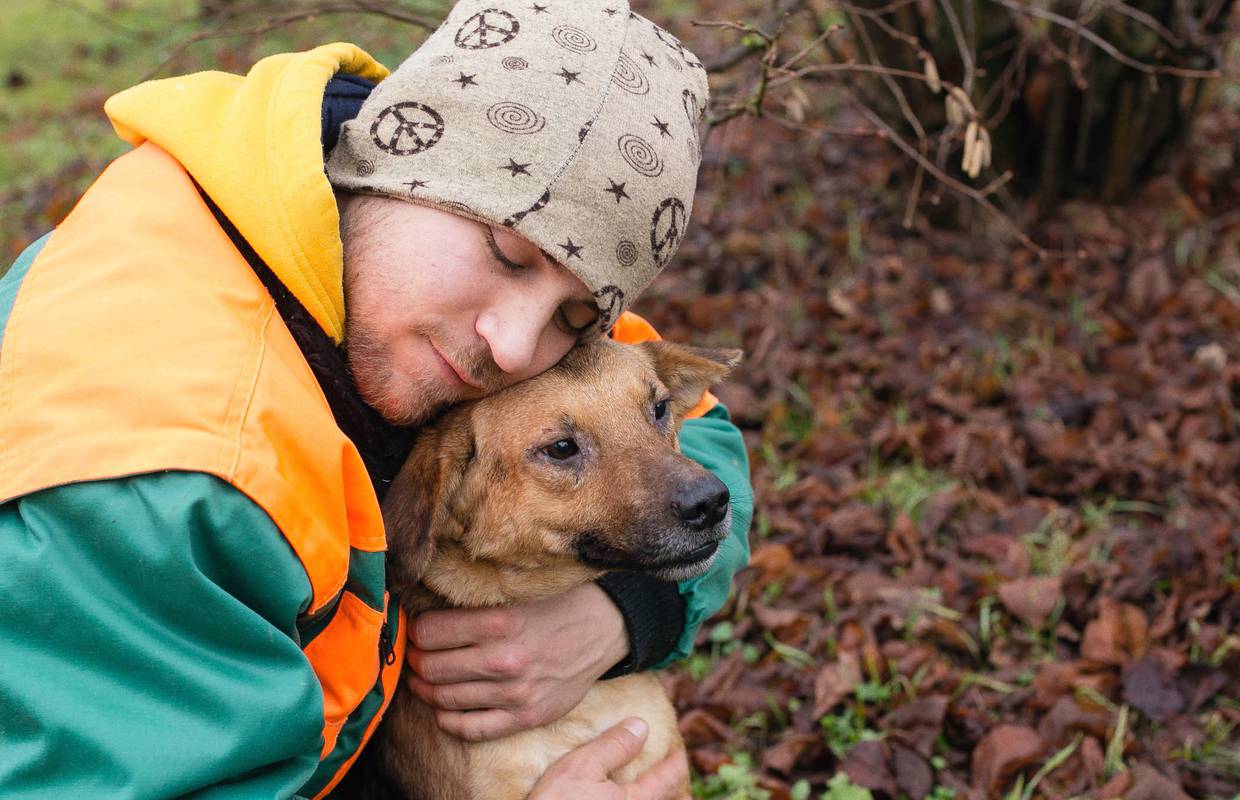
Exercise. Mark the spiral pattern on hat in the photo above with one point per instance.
(515, 63)
(365, 168)
(626, 253)
(629, 77)
(640, 155)
(511, 117)
(573, 39)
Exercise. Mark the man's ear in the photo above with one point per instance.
(417, 507)
(689, 371)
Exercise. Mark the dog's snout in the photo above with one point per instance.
(701, 503)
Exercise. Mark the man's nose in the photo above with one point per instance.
(512, 331)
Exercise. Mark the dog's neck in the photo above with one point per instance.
(454, 579)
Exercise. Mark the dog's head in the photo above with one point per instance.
(562, 477)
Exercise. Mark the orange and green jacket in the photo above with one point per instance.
(191, 550)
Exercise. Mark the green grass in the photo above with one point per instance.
(60, 59)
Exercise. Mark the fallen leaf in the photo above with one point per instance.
(836, 681)
(1032, 600)
(1150, 784)
(1150, 688)
(1117, 635)
(867, 765)
(1001, 753)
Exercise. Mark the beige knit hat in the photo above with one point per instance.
(574, 122)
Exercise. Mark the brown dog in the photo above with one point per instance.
(526, 494)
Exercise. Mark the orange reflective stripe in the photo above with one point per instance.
(632, 329)
(390, 678)
(345, 658)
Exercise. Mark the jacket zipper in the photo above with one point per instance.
(387, 647)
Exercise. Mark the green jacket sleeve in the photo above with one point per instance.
(715, 443)
(150, 645)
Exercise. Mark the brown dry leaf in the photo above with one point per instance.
(1150, 688)
(856, 526)
(1118, 635)
(913, 775)
(904, 540)
(836, 681)
(1056, 679)
(1009, 556)
(1116, 787)
(1068, 716)
(772, 560)
(783, 755)
(1148, 284)
(700, 728)
(788, 624)
(1001, 753)
(1150, 784)
(867, 765)
(1033, 599)
(840, 303)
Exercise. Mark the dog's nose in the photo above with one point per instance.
(702, 503)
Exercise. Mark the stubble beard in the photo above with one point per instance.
(401, 399)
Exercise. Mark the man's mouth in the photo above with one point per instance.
(461, 375)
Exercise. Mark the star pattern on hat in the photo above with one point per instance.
(617, 189)
(511, 51)
(574, 251)
(515, 168)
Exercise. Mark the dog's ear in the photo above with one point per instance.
(689, 371)
(417, 507)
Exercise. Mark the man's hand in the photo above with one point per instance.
(583, 772)
(491, 672)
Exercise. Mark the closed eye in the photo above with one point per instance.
(499, 254)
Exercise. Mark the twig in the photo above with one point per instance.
(1105, 46)
(741, 52)
(356, 7)
(944, 178)
(892, 86)
(1145, 19)
(966, 52)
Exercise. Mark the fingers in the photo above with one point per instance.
(614, 748)
(480, 726)
(461, 627)
(494, 663)
(664, 781)
(473, 695)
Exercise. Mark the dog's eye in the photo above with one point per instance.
(561, 450)
(660, 410)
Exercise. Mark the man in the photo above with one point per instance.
(191, 549)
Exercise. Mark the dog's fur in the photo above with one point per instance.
(483, 515)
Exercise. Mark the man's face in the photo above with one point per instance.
(440, 308)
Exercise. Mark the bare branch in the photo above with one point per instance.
(947, 180)
(274, 23)
(1105, 46)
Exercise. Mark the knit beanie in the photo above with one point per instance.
(573, 122)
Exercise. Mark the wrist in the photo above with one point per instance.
(615, 636)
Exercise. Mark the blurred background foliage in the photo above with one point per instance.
(984, 259)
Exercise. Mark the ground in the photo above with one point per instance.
(997, 543)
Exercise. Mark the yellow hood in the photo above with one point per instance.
(253, 145)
